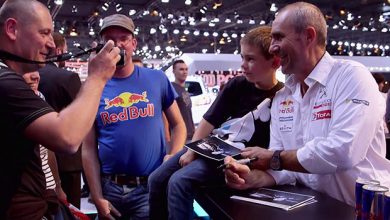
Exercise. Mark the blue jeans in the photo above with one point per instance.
(132, 203)
(172, 188)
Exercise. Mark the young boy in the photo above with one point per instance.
(173, 185)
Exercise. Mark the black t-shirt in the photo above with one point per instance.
(22, 179)
(238, 97)
(184, 103)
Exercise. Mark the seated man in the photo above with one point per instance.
(172, 185)
(326, 124)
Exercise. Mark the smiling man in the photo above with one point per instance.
(326, 124)
(27, 120)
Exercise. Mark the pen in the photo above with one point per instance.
(241, 161)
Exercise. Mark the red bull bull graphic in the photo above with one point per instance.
(286, 106)
(125, 99)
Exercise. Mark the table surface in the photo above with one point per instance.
(217, 203)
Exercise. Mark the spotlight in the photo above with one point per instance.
(105, 6)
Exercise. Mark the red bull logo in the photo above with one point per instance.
(286, 103)
(125, 99)
(129, 113)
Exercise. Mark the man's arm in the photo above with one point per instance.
(89, 154)
(179, 134)
(52, 161)
(64, 131)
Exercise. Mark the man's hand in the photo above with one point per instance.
(239, 176)
(187, 158)
(167, 157)
(106, 210)
(264, 157)
(60, 193)
(103, 65)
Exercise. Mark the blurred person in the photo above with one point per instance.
(380, 80)
(326, 124)
(60, 87)
(49, 162)
(180, 71)
(138, 62)
(173, 185)
(27, 120)
(129, 131)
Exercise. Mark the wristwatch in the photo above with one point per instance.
(276, 161)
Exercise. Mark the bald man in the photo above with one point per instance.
(27, 120)
(326, 124)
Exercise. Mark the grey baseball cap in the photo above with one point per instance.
(118, 20)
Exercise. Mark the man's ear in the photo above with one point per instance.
(10, 28)
(276, 62)
(311, 35)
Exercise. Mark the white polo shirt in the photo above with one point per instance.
(337, 128)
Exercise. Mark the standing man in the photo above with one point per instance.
(180, 70)
(27, 120)
(60, 88)
(326, 124)
(129, 130)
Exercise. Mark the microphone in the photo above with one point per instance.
(4, 55)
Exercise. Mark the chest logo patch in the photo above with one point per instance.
(125, 99)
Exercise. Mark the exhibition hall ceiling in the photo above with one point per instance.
(166, 28)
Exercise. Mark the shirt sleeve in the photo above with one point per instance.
(357, 112)
(23, 106)
(169, 93)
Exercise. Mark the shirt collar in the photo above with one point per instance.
(319, 74)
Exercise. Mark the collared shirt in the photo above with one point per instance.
(337, 128)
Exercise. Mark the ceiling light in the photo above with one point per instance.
(105, 6)
(132, 12)
(91, 32)
(164, 1)
(118, 7)
(188, 2)
(206, 34)
(196, 33)
(74, 9)
(222, 41)
(73, 32)
(183, 38)
(215, 34)
(227, 20)
(273, 7)
(204, 50)
(217, 4)
(58, 2)
(176, 31)
(211, 24)
(251, 21)
(234, 35)
(152, 30)
(157, 48)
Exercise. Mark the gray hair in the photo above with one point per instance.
(305, 14)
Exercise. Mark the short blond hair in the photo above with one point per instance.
(259, 37)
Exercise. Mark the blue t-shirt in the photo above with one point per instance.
(130, 128)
